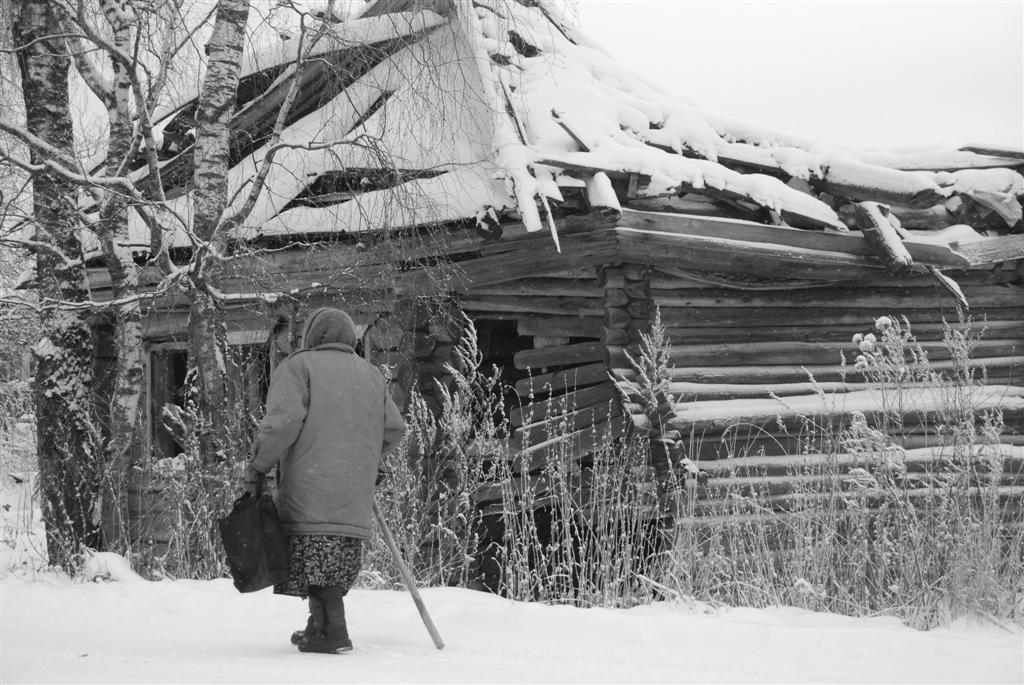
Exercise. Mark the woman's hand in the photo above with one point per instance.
(254, 481)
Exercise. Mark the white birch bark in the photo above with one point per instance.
(66, 438)
(207, 335)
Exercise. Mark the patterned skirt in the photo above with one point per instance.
(320, 561)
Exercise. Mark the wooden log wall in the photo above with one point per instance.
(566, 405)
(728, 342)
(739, 344)
(628, 311)
(791, 482)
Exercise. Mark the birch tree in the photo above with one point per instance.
(207, 333)
(67, 439)
(103, 42)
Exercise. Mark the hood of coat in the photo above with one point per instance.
(328, 325)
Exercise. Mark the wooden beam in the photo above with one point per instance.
(717, 316)
(914, 459)
(825, 331)
(785, 352)
(523, 260)
(566, 306)
(875, 225)
(850, 244)
(577, 377)
(544, 287)
(563, 355)
(896, 298)
(1005, 153)
(559, 119)
(582, 441)
(695, 281)
(735, 256)
(995, 250)
(571, 326)
(535, 433)
(569, 402)
(998, 368)
(684, 391)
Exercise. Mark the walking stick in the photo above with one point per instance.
(407, 577)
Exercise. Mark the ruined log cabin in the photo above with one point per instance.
(488, 158)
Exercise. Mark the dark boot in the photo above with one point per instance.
(315, 622)
(334, 638)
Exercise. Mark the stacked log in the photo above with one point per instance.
(722, 336)
(788, 482)
(744, 339)
(569, 407)
(628, 311)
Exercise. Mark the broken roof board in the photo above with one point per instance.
(543, 67)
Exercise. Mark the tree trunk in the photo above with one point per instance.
(112, 231)
(207, 336)
(66, 431)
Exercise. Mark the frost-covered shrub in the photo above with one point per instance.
(563, 531)
(427, 494)
(871, 526)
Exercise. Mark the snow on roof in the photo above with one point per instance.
(610, 118)
(515, 102)
(273, 39)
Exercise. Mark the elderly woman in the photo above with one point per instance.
(329, 418)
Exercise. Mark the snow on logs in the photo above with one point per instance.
(876, 224)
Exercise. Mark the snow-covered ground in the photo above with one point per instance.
(203, 631)
(58, 630)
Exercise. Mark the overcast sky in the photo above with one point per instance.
(861, 73)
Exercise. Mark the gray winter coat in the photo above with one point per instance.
(329, 417)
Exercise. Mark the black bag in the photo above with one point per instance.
(256, 548)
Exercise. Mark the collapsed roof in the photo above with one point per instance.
(420, 112)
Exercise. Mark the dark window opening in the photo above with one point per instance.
(499, 340)
(170, 421)
(168, 370)
(335, 187)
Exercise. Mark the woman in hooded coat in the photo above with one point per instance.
(329, 419)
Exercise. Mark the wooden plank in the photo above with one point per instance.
(825, 331)
(684, 391)
(1005, 494)
(993, 250)
(702, 317)
(1011, 456)
(786, 352)
(572, 326)
(874, 224)
(569, 402)
(899, 299)
(542, 287)
(531, 258)
(806, 242)
(588, 374)
(566, 306)
(679, 279)
(562, 355)
(793, 373)
(914, 403)
(582, 441)
(1005, 154)
(542, 431)
(736, 256)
